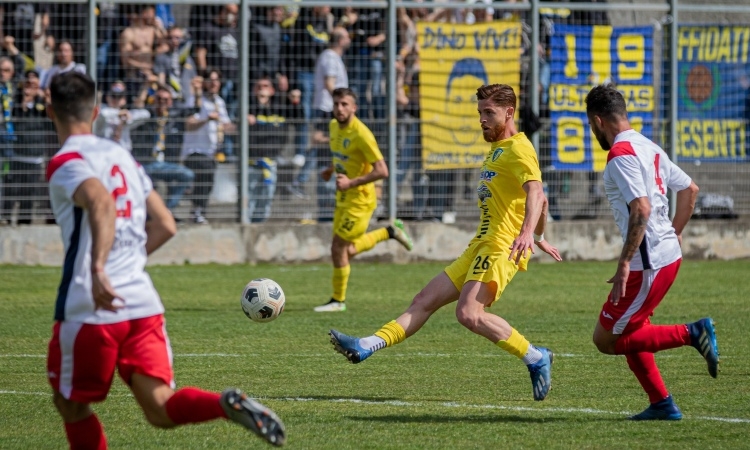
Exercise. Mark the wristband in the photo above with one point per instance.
(538, 237)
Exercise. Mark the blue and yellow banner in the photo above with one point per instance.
(714, 78)
(455, 60)
(582, 57)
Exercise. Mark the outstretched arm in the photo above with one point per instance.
(539, 239)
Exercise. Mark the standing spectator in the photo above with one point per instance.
(65, 62)
(268, 132)
(138, 45)
(157, 145)
(268, 49)
(108, 23)
(204, 134)
(17, 20)
(368, 53)
(12, 53)
(217, 47)
(330, 74)
(407, 102)
(66, 24)
(176, 68)
(309, 38)
(115, 120)
(33, 132)
(7, 97)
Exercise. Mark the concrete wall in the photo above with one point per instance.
(293, 243)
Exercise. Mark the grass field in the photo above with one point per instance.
(443, 388)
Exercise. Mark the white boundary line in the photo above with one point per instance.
(401, 403)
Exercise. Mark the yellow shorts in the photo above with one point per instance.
(486, 262)
(349, 223)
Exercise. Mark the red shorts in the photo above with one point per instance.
(82, 357)
(643, 293)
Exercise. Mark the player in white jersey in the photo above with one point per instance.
(636, 179)
(108, 315)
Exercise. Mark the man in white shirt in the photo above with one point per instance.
(636, 179)
(204, 134)
(108, 315)
(65, 63)
(115, 121)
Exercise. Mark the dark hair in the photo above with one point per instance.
(606, 102)
(206, 73)
(341, 92)
(73, 96)
(498, 94)
(465, 67)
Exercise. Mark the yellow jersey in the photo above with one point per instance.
(502, 201)
(354, 150)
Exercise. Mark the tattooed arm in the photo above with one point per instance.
(640, 210)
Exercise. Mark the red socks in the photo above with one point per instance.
(652, 339)
(644, 367)
(86, 434)
(193, 405)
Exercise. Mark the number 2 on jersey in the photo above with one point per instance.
(659, 181)
(121, 190)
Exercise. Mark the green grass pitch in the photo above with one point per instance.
(444, 388)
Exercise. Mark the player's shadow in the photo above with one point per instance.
(439, 418)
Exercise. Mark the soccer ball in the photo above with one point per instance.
(262, 300)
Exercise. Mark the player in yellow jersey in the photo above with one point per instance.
(513, 214)
(357, 163)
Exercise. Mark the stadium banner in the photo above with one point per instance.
(455, 60)
(714, 78)
(582, 57)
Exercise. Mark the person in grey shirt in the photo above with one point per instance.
(330, 74)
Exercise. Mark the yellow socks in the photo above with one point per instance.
(371, 239)
(340, 281)
(516, 344)
(392, 333)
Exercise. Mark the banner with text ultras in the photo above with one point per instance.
(455, 60)
(714, 77)
(582, 57)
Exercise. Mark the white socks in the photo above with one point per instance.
(374, 343)
(532, 356)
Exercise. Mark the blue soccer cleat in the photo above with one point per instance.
(703, 338)
(349, 347)
(663, 410)
(541, 374)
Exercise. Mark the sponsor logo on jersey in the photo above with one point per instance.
(487, 175)
(607, 315)
(340, 156)
(483, 192)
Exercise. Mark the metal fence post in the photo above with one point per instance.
(534, 76)
(391, 97)
(673, 96)
(244, 93)
(91, 31)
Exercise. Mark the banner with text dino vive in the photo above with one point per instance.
(455, 60)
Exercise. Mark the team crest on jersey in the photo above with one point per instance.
(496, 154)
(483, 192)
(346, 143)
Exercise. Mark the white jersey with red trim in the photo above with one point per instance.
(83, 157)
(636, 167)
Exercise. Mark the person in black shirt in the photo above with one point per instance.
(157, 145)
(367, 51)
(34, 133)
(268, 133)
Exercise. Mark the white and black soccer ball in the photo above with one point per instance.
(262, 300)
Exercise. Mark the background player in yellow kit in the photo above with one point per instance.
(358, 163)
(513, 214)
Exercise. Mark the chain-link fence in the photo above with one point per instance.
(228, 109)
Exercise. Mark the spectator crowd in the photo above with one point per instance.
(170, 94)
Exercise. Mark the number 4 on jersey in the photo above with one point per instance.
(121, 190)
(659, 181)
